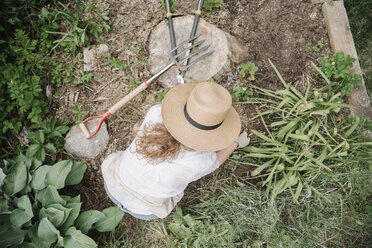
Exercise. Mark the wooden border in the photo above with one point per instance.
(341, 39)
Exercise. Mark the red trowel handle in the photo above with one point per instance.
(111, 110)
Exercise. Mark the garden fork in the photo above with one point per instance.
(177, 60)
(185, 63)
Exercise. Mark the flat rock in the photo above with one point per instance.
(226, 49)
(90, 56)
(79, 146)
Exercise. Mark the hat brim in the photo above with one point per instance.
(190, 136)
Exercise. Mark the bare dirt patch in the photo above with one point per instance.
(279, 30)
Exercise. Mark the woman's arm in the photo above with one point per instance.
(225, 153)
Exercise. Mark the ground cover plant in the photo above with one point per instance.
(35, 214)
(30, 34)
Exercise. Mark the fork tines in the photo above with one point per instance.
(179, 60)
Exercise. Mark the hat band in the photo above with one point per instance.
(198, 125)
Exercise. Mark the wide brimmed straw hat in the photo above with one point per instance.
(200, 116)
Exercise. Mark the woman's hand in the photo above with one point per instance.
(240, 142)
(243, 140)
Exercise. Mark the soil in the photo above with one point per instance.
(278, 30)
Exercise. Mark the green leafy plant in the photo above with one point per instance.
(241, 94)
(84, 77)
(80, 26)
(306, 141)
(172, 2)
(62, 73)
(134, 83)
(115, 63)
(337, 68)
(317, 47)
(46, 138)
(209, 5)
(189, 232)
(248, 69)
(79, 112)
(34, 213)
(160, 95)
(21, 95)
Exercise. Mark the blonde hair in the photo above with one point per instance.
(156, 144)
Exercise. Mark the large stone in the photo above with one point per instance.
(79, 146)
(226, 49)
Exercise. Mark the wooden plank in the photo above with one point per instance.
(341, 40)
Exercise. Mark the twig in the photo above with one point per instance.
(103, 86)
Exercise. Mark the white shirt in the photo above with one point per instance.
(162, 180)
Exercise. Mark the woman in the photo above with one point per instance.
(188, 136)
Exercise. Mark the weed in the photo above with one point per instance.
(62, 73)
(84, 77)
(248, 68)
(172, 3)
(46, 138)
(80, 28)
(160, 95)
(79, 112)
(209, 5)
(134, 83)
(241, 94)
(142, 61)
(336, 68)
(115, 63)
(189, 232)
(316, 48)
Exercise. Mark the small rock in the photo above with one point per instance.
(103, 48)
(48, 91)
(23, 136)
(89, 59)
(90, 56)
(313, 15)
(79, 146)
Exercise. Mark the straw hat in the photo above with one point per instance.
(200, 116)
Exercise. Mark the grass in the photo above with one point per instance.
(360, 19)
(346, 222)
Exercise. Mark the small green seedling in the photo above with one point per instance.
(79, 112)
(209, 5)
(172, 4)
(84, 77)
(250, 69)
(160, 95)
(336, 68)
(115, 63)
(316, 48)
(241, 94)
(134, 83)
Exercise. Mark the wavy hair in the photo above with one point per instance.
(156, 144)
